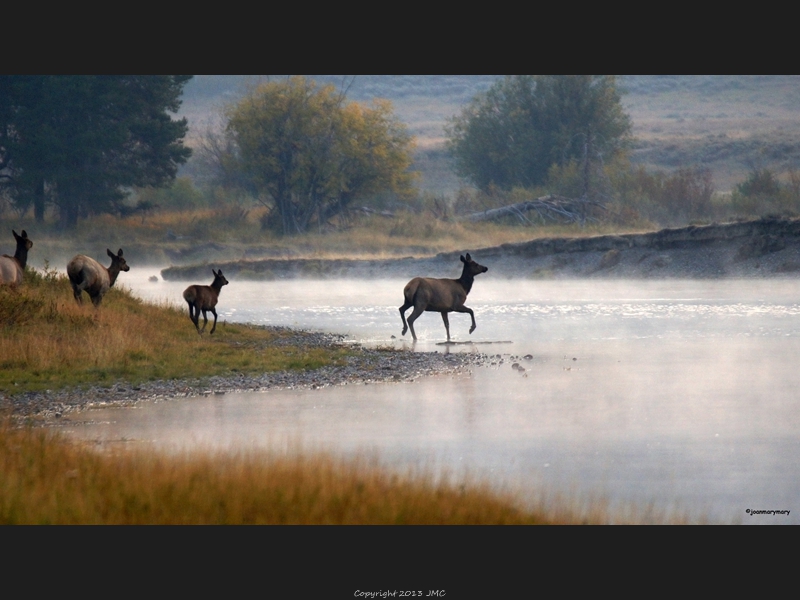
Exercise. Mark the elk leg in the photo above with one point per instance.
(403, 309)
(77, 292)
(194, 315)
(213, 312)
(418, 310)
(205, 321)
(446, 325)
(464, 309)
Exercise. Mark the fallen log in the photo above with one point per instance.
(556, 208)
(371, 211)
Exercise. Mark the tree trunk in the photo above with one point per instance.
(68, 208)
(38, 202)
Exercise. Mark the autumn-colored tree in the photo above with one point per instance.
(310, 154)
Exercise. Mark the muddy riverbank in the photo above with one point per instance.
(768, 247)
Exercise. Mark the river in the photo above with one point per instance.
(674, 394)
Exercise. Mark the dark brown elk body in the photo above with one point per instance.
(86, 274)
(204, 298)
(12, 268)
(440, 295)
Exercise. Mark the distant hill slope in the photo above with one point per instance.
(727, 123)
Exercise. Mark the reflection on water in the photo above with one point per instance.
(680, 393)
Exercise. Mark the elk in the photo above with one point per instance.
(204, 298)
(12, 268)
(86, 274)
(440, 295)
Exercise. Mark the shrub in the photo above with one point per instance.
(664, 198)
(763, 194)
(181, 195)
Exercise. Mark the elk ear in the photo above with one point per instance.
(219, 273)
(214, 272)
(120, 252)
(462, 259)
(110, 253)
(469, 258)
(24, 234)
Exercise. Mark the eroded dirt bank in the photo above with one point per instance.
(768, 247)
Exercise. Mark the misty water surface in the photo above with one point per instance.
(682, 394)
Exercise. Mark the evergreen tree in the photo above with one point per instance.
(78, 141)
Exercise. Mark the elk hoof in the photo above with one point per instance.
(404, 330)
(471, 329)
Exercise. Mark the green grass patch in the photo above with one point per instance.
(47, 341)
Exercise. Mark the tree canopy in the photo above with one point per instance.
(78, 141)
(310, 154)
(512, 134)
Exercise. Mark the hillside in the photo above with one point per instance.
(730, 124)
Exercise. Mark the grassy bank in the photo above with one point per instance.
(47, 341)
(45, 479)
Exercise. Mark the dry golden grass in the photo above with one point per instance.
(45, 479)
(48, 341)
(238, 230)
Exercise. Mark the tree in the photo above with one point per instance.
(512, 134)
(78, 141)
(310, 154)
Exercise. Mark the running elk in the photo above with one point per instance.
(12, 268)
(440, 295)
(86, 274)
(204, 298)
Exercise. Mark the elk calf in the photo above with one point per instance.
(12, 268)
(86, 274)
(204, 298)
(440, 295)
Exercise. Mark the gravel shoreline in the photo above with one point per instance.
(366, 366)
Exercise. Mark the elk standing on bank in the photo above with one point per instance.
(440, 295)
(204, 298)
(87, 274)
(12, 268)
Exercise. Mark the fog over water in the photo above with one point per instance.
(682, 394)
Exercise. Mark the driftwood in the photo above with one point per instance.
(371, 211)
(555, 208)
